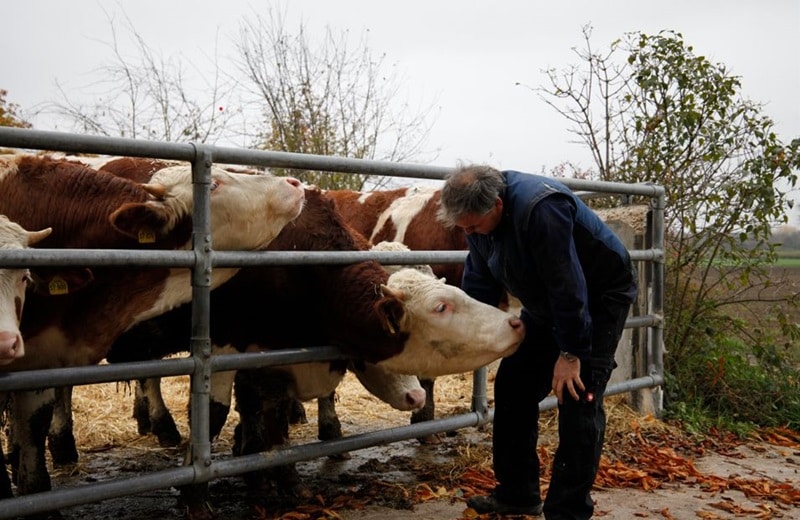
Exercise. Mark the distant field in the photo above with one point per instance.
(788, 258)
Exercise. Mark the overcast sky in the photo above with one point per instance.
(467, 56)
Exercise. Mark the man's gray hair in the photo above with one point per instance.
(469, 189)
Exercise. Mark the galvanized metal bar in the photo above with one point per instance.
(87, 375)
(75, 143)
(168, 258)
(646, 320)
(95, 257)
(480, 399)
(656, 303)
(107, 373)
(200, 343)
(38, 139)
(25, 505)
(274, 358)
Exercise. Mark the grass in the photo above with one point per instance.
(788, 258)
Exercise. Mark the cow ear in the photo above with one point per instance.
(141, 221)
(392, 313)
(60, 281)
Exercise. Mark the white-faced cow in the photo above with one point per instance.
(406, 215)
(71, 325)
(13, 282)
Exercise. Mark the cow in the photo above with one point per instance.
(76, 317)
(406, 215)
(13, 283)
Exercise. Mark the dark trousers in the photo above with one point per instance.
(522, 381)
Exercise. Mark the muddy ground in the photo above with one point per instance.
(651, 469)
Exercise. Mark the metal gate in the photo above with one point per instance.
(201, 259)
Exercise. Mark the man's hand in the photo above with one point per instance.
(567, 374)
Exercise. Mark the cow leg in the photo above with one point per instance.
(297, 412)
(159, 418)
(426, 413)
(61, 438)
(5, 481)
(141, 409)
(263, 402)
(329, 426)
(32, 412)
(220, 401)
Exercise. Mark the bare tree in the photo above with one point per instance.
(149, 96)
(327, 99)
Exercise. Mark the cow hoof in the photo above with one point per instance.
(330, 430)
(166, 432)
(430, 440)
(62, 449)
(340, 456)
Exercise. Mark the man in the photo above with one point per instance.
(530, 235)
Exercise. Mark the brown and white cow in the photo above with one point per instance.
(75, 325)
(13, 282)
(406, 215)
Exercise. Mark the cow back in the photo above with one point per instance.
(406, 215)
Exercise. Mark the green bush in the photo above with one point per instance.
(730, 385)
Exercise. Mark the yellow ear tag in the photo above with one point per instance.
(147, 236)
(58, 286)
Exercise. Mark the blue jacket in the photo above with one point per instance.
(553, 253)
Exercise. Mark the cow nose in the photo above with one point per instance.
(517, 325)
(10, 346)
(416, 398)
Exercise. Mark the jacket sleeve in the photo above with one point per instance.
(549, 233)
(477, 280)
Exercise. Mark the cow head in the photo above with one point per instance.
(13, 283)
(400, 391)
(448, 332)
(237, 200)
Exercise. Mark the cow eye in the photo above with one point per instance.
(441, 307)
(213, 186)
(27, 279)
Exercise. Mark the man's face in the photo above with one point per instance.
(483, 224)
